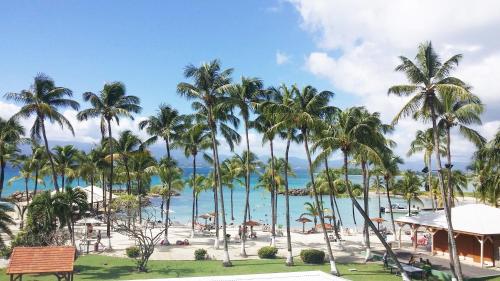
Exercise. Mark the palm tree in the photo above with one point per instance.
(43, 100)
(125, 147)
(66, 205)
(210, 83)
(264, 125)
(5, 220)
(110, 104)
(143, 165)
(231, 173)
(312, 210)
(409, 187)
(245, 96)
(424, 141)
(11, 132)
(485, 171)
(428, 76)
(390, 169)
(89, 167)
(282, 108)
(350, 134)
(310, 107)
(38, 160)
(26, 173)
(455, 112)
(194, 140)
(171, 177)
(65, 160)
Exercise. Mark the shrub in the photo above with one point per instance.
(267, 252)
(200, 254)
(312, 256)
(5, 252)
(133, 252)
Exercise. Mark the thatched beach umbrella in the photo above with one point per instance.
(252, 223)
(327, 226)
(378, 221)
(205, 217)
(303, 220)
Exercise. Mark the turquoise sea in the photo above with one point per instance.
(259, 200)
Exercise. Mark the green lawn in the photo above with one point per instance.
(96, 267)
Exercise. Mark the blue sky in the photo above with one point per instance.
(82, 44)
(349, 47)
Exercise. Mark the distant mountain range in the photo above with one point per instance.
(296, 162)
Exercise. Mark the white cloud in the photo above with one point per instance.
(282, 58)
(358, 43)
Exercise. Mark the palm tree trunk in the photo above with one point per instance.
(110, 183)
(2, 174)
(92, 191)
(169, 189)
(429, 178)
(27, 191)
(139, 191)
(243, 252)
(216, 203)
(226, 261)
(232, 205)
(333, 266)
(386, 179)
(451, 197)
(62, 180)
(49, 155)
(454, 261)
(370, 223)
(127, 171)
(289, 257)
(36, 183)
(273, 202)
(332, 201)
(194, 196)
(366, 190)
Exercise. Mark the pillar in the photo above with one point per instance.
(481, 241)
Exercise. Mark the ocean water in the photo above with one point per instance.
(259, 201)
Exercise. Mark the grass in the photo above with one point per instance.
(95, 267)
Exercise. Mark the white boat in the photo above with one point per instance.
(396, 208)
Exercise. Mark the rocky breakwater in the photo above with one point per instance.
(297, 192)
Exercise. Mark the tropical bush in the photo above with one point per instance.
(267, 252)
(133, 252)
(5, 252)
(312, 256)
(200, 254)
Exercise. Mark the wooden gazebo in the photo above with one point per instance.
(56, 261)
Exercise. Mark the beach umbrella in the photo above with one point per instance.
(303, 220)
(378, 221)
(252, 223)
(205, 217)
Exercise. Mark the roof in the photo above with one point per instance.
(29, 260)
(471, 218)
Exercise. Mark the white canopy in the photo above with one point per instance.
(88, 190)
(471, 218)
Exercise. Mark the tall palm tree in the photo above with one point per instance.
(409, 187)
(350, 134)
(89, 168)
(43, 100)
(143, 166)
(428, 77)
(390, 169)
(11, 132)
(125, 147)
(264, 124)
(245, 96)
(424, 142)
(65, 159)
(5, 221)
(210, 84)
(282, 108)
(111, 103)
(485, 171)
(195, 140)
(310, 107)
(455, 112)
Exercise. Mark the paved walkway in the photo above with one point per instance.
(292, 276)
